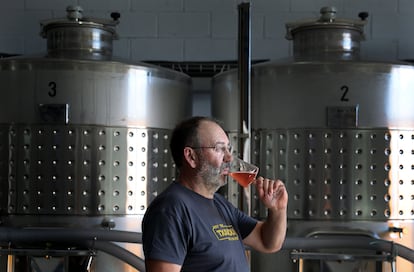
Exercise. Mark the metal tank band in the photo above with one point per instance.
(82, 170)
(334, 174)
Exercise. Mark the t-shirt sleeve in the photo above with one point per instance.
(165, 237)
(246, 223)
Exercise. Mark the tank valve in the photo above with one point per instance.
(74, 13)
(398, 230)
(108, 223)
(328, 14)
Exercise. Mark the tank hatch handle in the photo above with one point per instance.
(363, 15)
(54, 113)
(115, 16)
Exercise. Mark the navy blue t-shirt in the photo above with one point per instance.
(201, 234)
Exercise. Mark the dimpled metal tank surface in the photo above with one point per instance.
(83, 144)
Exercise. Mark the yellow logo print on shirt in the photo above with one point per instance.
(225, 232)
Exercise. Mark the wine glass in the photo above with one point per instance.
(243, 172)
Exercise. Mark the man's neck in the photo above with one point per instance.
(198, 185)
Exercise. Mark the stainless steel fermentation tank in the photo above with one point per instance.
(340, 132)
(83, 150)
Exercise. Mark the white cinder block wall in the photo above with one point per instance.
(206, 30)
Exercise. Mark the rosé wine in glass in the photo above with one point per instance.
(243, 172)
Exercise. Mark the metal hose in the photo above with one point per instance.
(308, 243)
(67, 235)
(101, 240)
(120, 253)
(87, 238)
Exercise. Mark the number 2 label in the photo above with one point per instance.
(344, 96)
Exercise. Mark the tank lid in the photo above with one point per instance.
(327, 38)
(327, 20)
(78, 36)
(75, 18)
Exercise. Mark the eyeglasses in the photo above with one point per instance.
(218, 147)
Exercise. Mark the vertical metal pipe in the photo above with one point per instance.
(244, 64)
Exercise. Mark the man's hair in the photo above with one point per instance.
(186, 134)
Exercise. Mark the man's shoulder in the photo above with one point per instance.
(174, 195)
(219, 198)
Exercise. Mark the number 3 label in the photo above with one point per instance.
(52, 86)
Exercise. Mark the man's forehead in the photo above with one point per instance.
(212, 131)
(209, 126)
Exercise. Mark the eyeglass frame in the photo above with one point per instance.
(222, 149)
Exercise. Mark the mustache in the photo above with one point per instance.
(225, 165)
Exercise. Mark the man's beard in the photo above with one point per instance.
(212, 176)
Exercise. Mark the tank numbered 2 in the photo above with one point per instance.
(52, 91)
(344, 96)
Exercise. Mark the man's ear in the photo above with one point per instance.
(190, 156)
